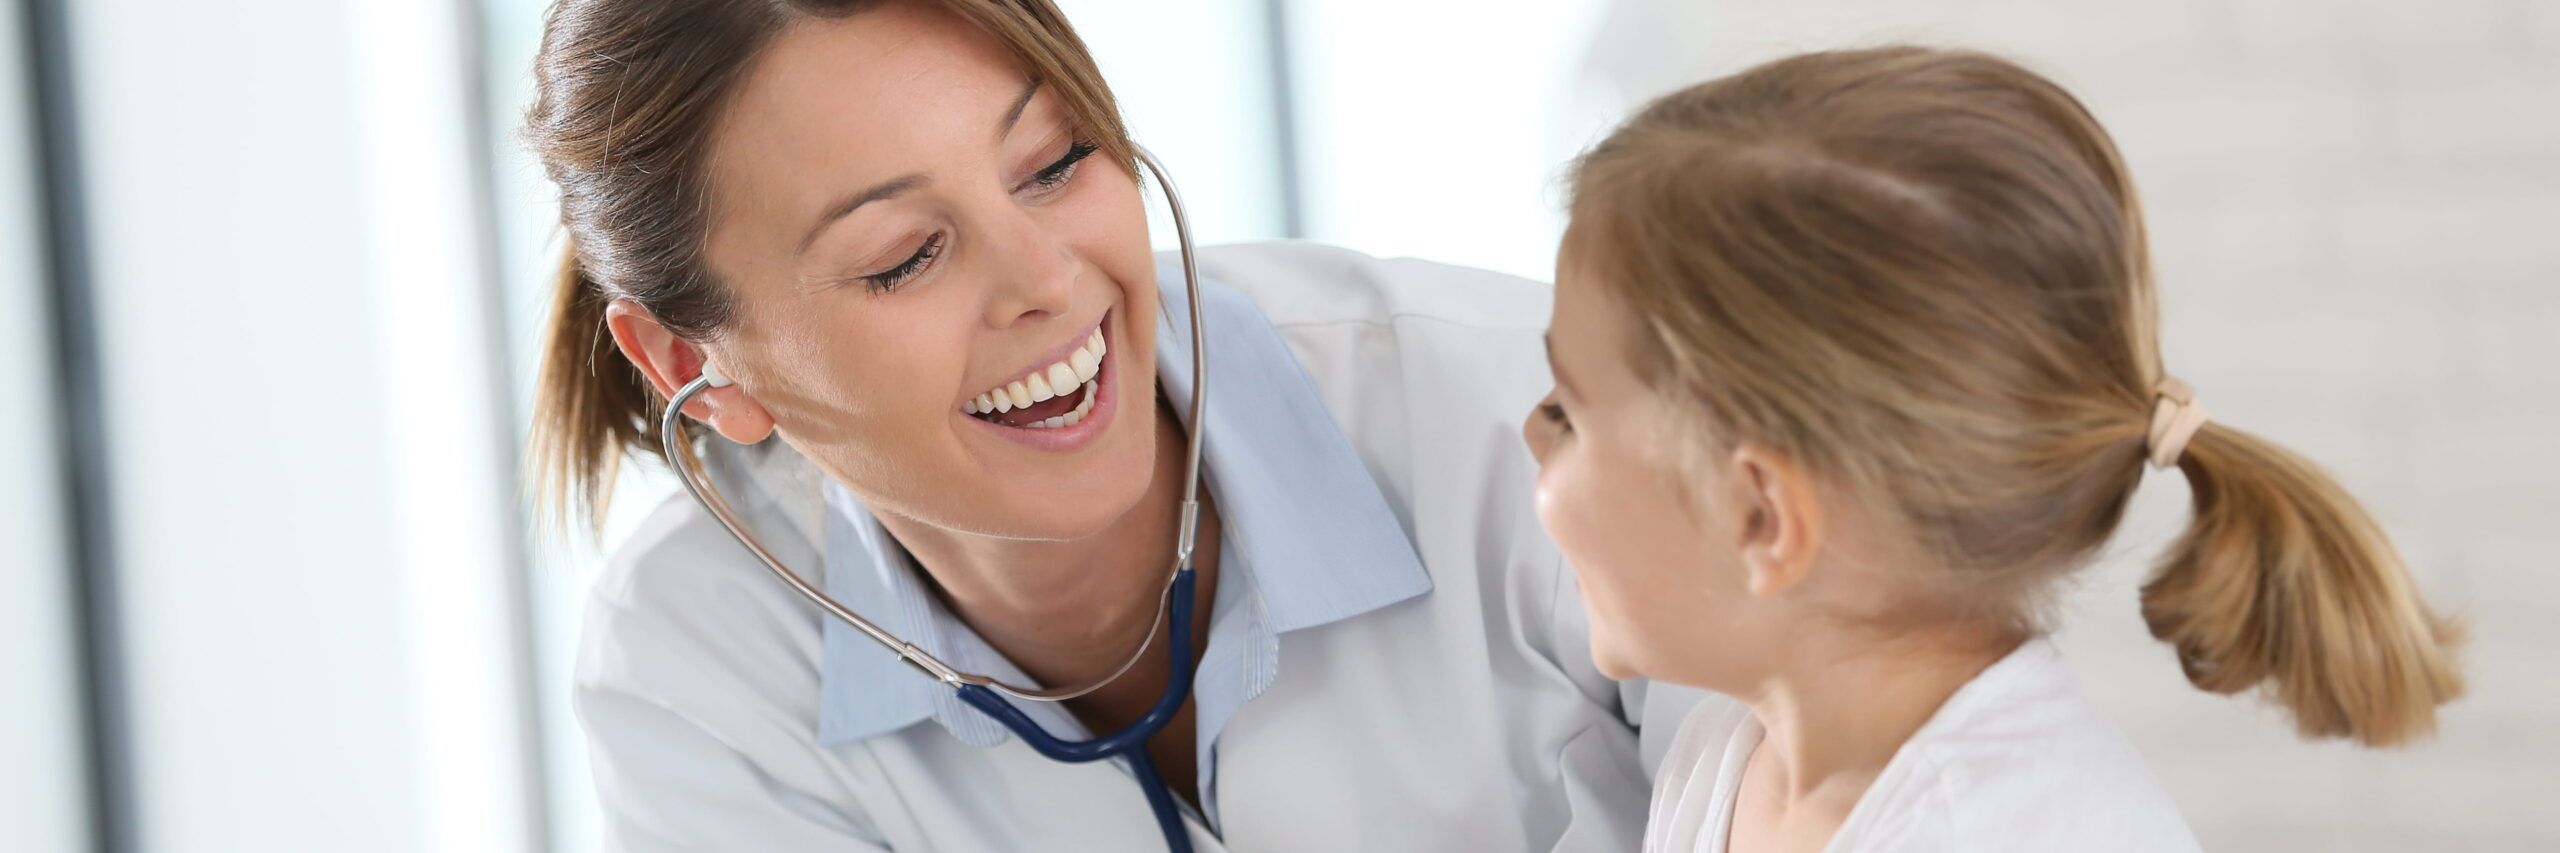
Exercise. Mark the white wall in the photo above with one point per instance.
(1194, 83)
(305, 492)
(248, 452)
(43, 785)
(1437, 130)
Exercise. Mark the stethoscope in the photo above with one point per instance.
(981, 691)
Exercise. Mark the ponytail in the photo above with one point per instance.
(591, 406)
(1925, 272)
(2282, 581)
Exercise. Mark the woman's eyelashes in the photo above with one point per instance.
(1058, 172)
(889, 279)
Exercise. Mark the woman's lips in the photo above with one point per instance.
(1032, 399)
(1092, 413)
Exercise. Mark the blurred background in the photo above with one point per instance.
(276, 270)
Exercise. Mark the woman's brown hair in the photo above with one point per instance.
(627, 95)
(1923, 273)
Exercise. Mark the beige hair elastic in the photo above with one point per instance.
(2174, 420)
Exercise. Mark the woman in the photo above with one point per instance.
(884, 220)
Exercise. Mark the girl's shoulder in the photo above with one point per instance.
(2018, 760)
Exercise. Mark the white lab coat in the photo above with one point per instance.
(1468, 719)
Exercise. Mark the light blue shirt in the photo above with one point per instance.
(1307, 538)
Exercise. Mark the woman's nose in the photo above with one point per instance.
(1035, 272)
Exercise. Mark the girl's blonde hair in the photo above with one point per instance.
(1923, 274)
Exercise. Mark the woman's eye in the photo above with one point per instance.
(889, 279)
(1054, 175)
(1065, 168)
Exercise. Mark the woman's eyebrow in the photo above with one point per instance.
(884, 190)
(1021, 102)
(894, 187)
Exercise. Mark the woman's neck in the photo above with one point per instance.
(1835, 713)
(1068, 612)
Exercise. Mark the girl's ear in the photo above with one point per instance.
(669, 362)
(1782, 525)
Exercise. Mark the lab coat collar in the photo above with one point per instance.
(1308, 537)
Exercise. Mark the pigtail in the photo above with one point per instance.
(2283, 582)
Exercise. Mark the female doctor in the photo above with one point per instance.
(912, 236)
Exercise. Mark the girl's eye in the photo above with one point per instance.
(889, 279)
(1554, 413)
(1065, 168)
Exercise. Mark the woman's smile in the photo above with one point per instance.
(1060, 403)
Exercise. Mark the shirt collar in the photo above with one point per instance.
(1297, 509)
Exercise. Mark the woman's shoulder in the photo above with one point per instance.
(1427, 367)
(697, 681)
(1428, 370)
(1299, 283)
(679, 602)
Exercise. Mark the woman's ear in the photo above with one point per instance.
(1781, 530)
(670, 361)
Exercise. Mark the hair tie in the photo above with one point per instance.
(2174, 419)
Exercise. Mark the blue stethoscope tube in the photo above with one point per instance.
(1130, 741)
(988, 694)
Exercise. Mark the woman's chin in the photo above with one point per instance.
(1072, 496)
(1071, 506)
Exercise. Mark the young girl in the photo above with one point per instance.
(1856, 358)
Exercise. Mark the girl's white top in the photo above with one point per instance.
(2015, 760)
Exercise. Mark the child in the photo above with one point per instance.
(1855, 360)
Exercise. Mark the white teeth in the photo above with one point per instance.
(1047, 383)
(1066, 420)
